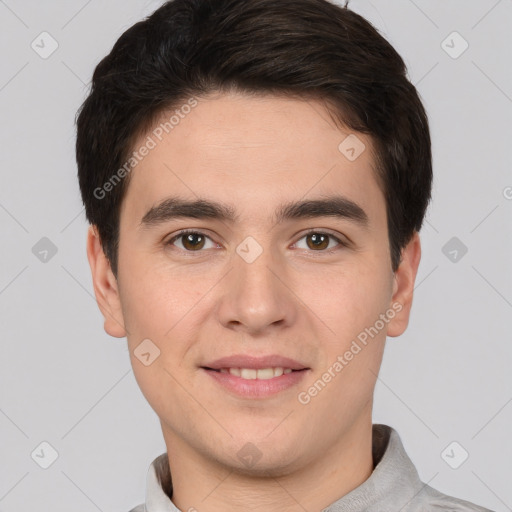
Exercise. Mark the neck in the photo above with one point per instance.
(202, 484)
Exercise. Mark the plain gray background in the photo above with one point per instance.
(65, 382)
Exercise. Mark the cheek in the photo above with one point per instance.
(164, 392)
(347, 300)
(155, 300)
(353, 354)
(164, 307)
(155, 308)
(360, 332)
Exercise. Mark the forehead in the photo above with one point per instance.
(251, 152)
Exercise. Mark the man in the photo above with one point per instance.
(255, 174)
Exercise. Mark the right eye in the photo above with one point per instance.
(191, 241)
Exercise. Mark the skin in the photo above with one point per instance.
(254, 153)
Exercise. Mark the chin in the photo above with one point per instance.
(271, 458)
(273, 465)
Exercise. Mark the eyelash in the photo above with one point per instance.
(309, 232)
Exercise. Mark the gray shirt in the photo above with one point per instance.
(393, 486)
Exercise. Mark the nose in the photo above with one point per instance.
(257, 295)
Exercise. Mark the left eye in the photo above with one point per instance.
(317, 240)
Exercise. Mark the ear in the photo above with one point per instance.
(105, 286)
(403, 286)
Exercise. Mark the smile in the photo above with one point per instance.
(255, 383)
(251, 373)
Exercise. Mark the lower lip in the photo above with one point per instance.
(257, 388)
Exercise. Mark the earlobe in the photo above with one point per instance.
(403, 286)
(105, 286)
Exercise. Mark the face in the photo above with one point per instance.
(289, 268)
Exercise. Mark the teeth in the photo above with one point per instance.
(247, 373)
(278, 372)
(251, 373)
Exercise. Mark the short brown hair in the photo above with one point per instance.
(311, 49)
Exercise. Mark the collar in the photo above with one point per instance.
(393, 482)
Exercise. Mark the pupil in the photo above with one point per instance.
(318, 240)
(191, 240)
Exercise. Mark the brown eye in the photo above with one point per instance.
(191, 241)
(318, 240)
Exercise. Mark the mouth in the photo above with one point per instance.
(255, 383)
(255, 373)
(255, 377)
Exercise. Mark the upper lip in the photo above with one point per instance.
(256, 363)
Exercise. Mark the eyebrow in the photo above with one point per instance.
(331, 206)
